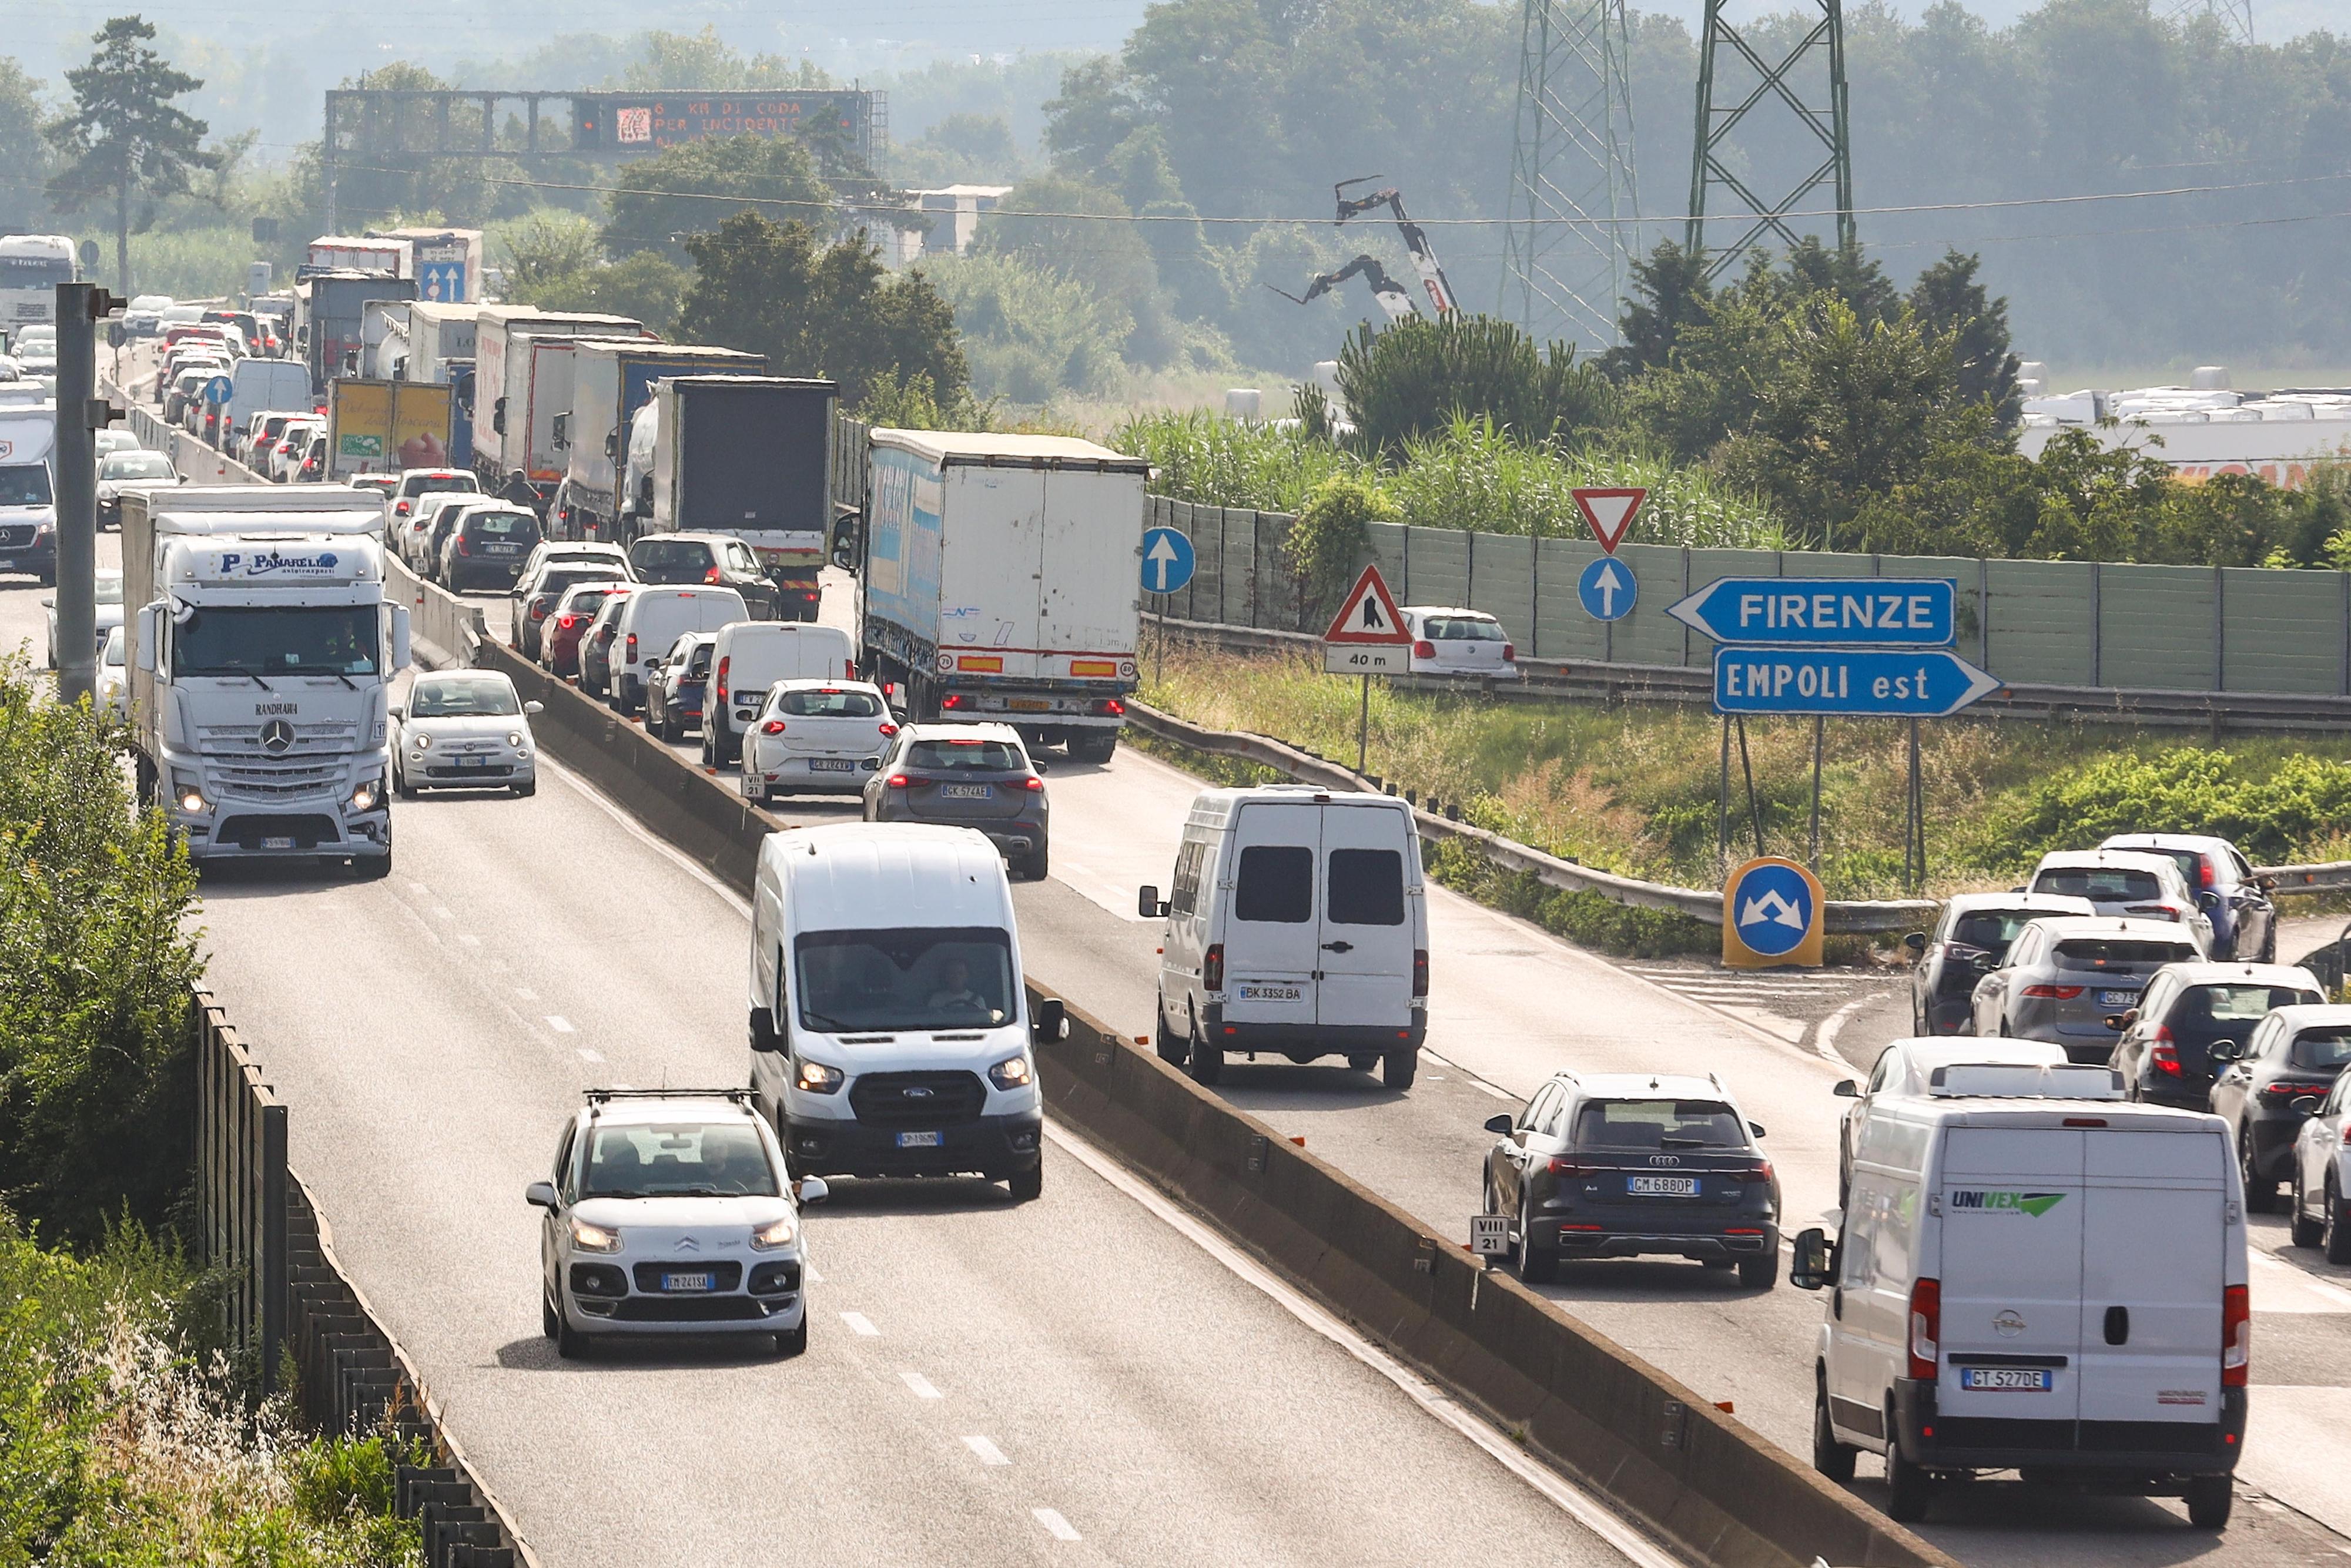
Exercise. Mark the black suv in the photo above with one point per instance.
(718, 560)
(1626, 1165)
(2193, 1017)
(2266, 1089)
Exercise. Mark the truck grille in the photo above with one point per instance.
(917, 1099)
(308, 832)
(17, 535)
(278, 758)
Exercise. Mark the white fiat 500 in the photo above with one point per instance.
(815, 738)
(465, 729)
(668, 1212)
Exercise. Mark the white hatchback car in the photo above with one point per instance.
(1448, 642)
(669, 1212)
(463, 729)
(2321, 1169)
(813, 737)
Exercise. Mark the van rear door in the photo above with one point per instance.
(2013, 1218)
(1365, 932)
(2154, 1258)
(1272, 936)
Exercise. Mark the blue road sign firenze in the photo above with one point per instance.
(1607, 588)
(1819, 612)
(1167, 561)
(1859, 682)
(1771, 908)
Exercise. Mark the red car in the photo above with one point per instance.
(559, 638)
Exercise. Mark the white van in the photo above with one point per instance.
(651, 621)
(749, 657)
(890, 1030)
(2031, 1274)
(1296, 924)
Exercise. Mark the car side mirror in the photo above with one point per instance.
(1039, 767)
(810, 1189)
(2266, 883)
(150, 626)
(1985, 962)
(1846, 1089)
(2224, 1051)
(1050, 1021)
(1916, 941)
(397, 711)
(1814, 1258)
(1500, 1123)
(539, 1195)
(49, 603)
(1757, 1128)
(534, 708)
(1147, 904)
(611, 447)
(2207, 899)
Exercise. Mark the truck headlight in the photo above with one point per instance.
(1012, 1072)
(367, 796)
(815, 1078)
(189, 794)
(776, 1234)
(587, 1237)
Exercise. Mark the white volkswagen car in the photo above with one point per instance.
(463, 729)
(815, 738)
(1448, 642)
(669, 1212)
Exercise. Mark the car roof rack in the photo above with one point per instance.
(599, 1096)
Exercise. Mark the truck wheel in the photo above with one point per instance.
(1206, 1062)
(2210, 1499)
(1398, 1069)
(1908, 1488)
(1831, 1458)
(1093, 746)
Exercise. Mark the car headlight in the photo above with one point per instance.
(587, 1237)
(815, 1078)
(514, 737)
(777, 1233)
(367, 796)
(421, 742)
(1012, 1072)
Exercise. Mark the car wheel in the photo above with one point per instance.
(1172, 1050)
(569, 1343)
(1399, 1068)
(1760, 1273)
(1033, 867)
(549, 1323)
(2261, 1191)
(1029, 1185)
(2210, 1499)
(1536, 1266)
(2335, 1232)
(2307, 1232)
(526, 790)
(1206, 1062)
(1831, 1458)
(794, 1343)
(1908, 1488)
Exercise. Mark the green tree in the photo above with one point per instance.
(644, 286)
(695, 187)
(817, 310)
(1079, 231)
(1029, 331)
(1949, 301)
(1669, 294)
(23, 152)
(125, 139)
(962, 149)
(671, 60)
(546, 250)
(1419, 376)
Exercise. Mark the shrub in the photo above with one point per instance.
(1328, 541)
(1414, 378)
(2188, 789)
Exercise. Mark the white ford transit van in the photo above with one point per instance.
(751, 656)
(2030, 1277)
(890, 1031)
(649, 621)
(1296, 925)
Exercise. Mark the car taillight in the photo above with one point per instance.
(1559, 1165)
(2203, 873)
(633, 647)
(2152, 910)
(1926, 1328)
(2285, 1090)
(720, 683)
(888, 730)
(1212, 968)
(1424, 649)
(1509, 653)
(462, 547)
(1761, 1170)
(952, 700)
(2236, 1336)
(538, 610)
(896, 781)
(1420, 971)
(2164, 1058)
(1033, 784)
(710, 576)
(773, 727)
(2053, 993)
(567, 621)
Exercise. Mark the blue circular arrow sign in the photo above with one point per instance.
(1607, 588)
(1771, 909)
(219, 390)
(1167, 561)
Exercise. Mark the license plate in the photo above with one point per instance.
(473, 762)
(966, 792)
(505, 550)
(2007, 1379)
(686, 1282)
(919, 1140)
(830, 765)
(1029, 704)
(2118, 998)
(1269, 993)
(284, 843)
(1661, 1186)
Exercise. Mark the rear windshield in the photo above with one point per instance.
(1991, 929)
(1367, 887)
(1460, 629)
(968, 756)
(1276, 884)
(1658, 1124)
(586, 601)
(671, 560)
(504, 525)
(828, 704)
(721, 1159)
(422, 484)
(2100, 884)
(2130, 953)
(2326, 1047)
(2236, 1004)
(556, 581)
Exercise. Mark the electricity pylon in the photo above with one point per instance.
(1797, 81)
(2236, 16)
(1573, 201)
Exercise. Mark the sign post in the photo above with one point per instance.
(1367, 638)
(1168, 563)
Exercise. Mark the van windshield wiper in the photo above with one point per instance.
(233, 670)
(831, 1025)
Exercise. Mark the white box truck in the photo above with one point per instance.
(612, 379)
(29, 500)
(747, 456)
(261, 646)
(999, 579)
(437, 335)
(2032, 1274)
(506, 423)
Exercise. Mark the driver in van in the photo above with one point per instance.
(955, 993)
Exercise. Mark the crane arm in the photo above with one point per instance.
(1394, 297)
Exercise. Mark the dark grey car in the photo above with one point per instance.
(965, 776)
(2064, 977)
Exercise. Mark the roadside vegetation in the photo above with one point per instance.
(125, 1434)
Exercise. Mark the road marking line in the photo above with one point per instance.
(861, 1324)
(559, 1024)
(989, 1454)
(813, 1277)
(1504, 1095)
(1824, 1039)
(420, 887)
(921, 1385)
(587, 1055)
(1059, 1528)
(526, 993)
(1571, 1499)
(440, 913)
(470, 941)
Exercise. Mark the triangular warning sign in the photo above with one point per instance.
(1610, 513)
(1369, 615)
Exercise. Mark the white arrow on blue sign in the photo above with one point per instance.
(1824, 611)
(218, 391)
(1167, 561)
(1607, 588)
(1771, 909)
(1861, 681)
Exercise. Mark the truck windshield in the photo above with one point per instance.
(293, 639)
(944, 978)
(25, 486)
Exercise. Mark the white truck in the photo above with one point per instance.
(999, 578)
(612, 379)
(437, 335)
(29, 501)
(261, 647)
(519, 389)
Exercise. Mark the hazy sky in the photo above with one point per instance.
(2272, 19)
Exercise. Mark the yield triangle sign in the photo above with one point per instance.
(1610, 513)
(1369, 615)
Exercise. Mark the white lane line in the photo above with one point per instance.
(1467, 1077)
(559, 1024)
(1504, 1095)
(1572, 1499)
(1824, 1039)
(922, 1385)
(1059, 1528)
(469, 941)
(587, 1055)
(420, 887)
(989, 1454)
(526, 993)
(813, 1277)
(440, 913)
(860, 1323)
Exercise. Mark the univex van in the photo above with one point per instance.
(2032, 1274)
